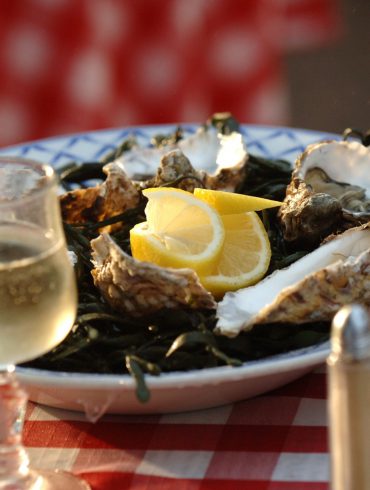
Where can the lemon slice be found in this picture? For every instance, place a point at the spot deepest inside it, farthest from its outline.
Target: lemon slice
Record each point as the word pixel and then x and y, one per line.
pixel 180 231
pixel 233 203
pixel 245 255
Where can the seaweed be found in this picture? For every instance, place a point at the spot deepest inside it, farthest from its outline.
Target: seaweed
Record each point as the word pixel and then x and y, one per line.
pixel 102 341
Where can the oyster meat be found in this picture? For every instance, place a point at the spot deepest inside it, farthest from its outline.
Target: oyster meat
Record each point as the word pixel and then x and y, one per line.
pixel 312 289
pixel 341 169
pixel 139 288
pixel 332 180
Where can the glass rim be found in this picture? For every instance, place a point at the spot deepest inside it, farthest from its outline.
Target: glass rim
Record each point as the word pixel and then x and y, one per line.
pixel 45 170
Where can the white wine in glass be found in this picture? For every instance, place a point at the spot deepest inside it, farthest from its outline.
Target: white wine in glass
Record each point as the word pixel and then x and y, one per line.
pixel 38 302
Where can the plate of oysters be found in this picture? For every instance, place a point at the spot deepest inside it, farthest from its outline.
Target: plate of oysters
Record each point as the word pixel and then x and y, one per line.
pixel 210 260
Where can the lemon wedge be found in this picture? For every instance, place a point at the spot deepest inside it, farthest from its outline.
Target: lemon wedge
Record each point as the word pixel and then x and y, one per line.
pixel 233 203
pixel 245 255
pixel 227 250
pixel 180 231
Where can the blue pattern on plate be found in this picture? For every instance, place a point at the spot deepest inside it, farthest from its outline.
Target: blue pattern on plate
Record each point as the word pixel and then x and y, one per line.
pixel 274 142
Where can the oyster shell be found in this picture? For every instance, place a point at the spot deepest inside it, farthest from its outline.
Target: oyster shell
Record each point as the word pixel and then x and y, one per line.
pixel 312 289
pixel 139 288
pixel 332 180
pixel 114 196
pixel 222 156
pixel 307 215
pixel 209 150
pixel 175 167
pixel 341 169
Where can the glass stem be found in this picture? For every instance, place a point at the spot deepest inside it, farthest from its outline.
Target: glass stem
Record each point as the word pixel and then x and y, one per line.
pixel 14 461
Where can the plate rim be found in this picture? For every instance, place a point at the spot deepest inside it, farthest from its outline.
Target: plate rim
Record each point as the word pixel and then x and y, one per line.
pixel 163 125
pixel 311 356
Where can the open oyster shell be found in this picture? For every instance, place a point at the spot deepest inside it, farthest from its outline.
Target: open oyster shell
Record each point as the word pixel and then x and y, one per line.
pixel 221 156
pixel 312 289
pixel 330 183
pixel 139 288
pixel 341 169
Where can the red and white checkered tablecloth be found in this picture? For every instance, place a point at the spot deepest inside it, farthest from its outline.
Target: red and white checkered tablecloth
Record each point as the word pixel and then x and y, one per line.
pixel 277 441
pixel 69 66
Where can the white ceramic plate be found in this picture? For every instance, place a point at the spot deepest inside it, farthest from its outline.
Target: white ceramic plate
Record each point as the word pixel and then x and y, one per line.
pixel 172 392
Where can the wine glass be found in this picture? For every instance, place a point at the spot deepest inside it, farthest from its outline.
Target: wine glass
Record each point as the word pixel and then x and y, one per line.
pixel 38 302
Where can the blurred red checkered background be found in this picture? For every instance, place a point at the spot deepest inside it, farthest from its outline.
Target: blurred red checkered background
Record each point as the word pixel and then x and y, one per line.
pixel 76 65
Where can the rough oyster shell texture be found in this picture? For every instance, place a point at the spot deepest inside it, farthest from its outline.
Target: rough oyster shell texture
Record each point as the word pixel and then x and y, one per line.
pixel 308 215
pixel 114 196
pixel 330 184
pixel 206 158
pixel 312 289
pixel 220 156
pixel 139 288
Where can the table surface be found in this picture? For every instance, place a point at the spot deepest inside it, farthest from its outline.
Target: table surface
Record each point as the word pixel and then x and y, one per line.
pixel 277 441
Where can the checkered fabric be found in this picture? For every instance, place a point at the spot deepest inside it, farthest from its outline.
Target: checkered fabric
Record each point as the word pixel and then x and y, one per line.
pixel 277 441
pixel 69 66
